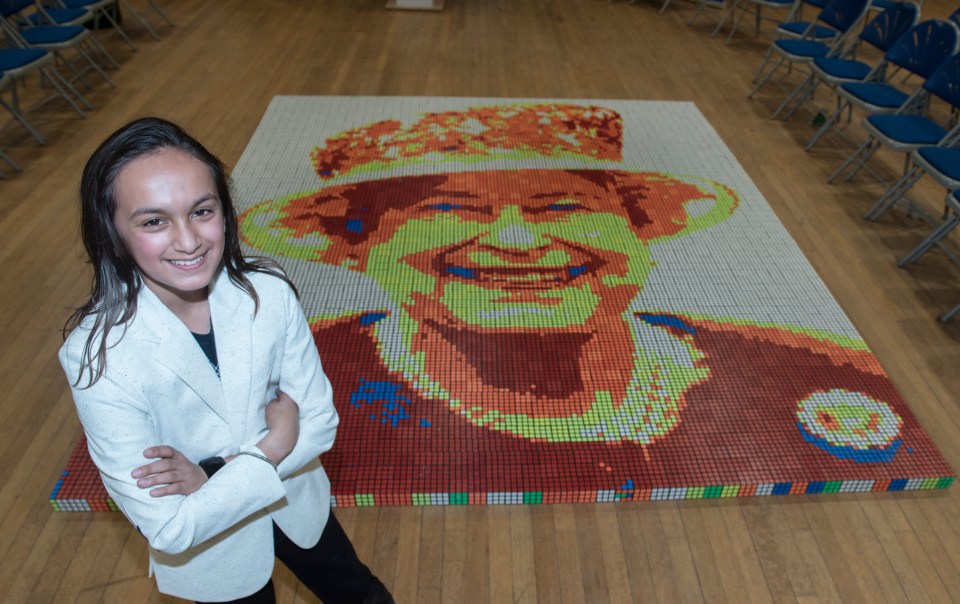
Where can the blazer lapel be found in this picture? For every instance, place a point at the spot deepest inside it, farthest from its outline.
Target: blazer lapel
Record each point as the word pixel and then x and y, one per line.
pixel 231 310
pixel 178 351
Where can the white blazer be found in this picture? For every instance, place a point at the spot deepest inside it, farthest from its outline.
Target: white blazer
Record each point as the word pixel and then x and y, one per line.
pixel 160 389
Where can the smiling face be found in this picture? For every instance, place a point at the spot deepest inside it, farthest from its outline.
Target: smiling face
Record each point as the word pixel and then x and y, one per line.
pixel 169 216
pixel 500 249
pixel 511 250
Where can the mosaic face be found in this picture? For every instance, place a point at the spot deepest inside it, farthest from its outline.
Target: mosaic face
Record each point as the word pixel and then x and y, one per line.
pixel 513 257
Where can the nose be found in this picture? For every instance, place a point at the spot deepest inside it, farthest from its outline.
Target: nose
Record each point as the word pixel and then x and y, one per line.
pixel 185 237
pixel 511 230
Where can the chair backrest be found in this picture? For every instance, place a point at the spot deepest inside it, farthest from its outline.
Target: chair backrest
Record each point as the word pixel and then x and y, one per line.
pixel 842 15
pixel 924 47
pixel 945 81
pixel 886 28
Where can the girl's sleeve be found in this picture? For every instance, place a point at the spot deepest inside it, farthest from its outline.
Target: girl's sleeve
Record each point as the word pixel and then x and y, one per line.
pixel 118 426
pixel 303 379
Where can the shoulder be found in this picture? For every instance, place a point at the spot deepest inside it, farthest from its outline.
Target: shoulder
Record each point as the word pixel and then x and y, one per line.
pixel 271 288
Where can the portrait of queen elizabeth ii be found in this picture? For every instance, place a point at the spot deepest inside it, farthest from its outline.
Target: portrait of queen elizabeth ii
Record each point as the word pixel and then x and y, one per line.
pixel 509 348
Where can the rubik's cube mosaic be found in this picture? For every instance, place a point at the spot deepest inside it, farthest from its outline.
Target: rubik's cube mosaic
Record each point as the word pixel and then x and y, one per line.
pixel 531 301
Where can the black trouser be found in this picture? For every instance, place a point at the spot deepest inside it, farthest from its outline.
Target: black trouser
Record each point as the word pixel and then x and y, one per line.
pixel 330 569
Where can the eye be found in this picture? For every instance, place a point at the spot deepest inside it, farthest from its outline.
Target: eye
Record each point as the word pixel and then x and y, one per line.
pixel 443 207
pixel 152 223
pixel 565 207
pixel 460 208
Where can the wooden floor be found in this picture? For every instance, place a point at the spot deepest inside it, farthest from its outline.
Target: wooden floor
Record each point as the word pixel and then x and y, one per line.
pixel 217 71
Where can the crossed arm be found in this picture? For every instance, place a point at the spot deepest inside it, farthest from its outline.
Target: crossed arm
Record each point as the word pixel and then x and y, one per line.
pixel 175 474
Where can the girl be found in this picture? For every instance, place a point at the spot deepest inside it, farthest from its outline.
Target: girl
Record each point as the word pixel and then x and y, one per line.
pixel 200 360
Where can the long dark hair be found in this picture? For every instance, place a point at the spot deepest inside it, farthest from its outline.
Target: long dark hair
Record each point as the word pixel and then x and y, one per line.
pixel 116 278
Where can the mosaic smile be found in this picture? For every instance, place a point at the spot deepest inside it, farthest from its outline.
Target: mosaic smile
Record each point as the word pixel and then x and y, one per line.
pixel 544 267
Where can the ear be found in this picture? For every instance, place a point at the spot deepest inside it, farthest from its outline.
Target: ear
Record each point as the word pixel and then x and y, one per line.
pixel 665 206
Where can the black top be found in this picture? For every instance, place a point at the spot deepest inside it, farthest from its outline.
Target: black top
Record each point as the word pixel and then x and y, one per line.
pixel 209 347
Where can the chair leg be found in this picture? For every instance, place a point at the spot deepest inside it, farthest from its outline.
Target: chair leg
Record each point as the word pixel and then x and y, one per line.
pixel 894 193
pixel 871 150
pixel 139 18
pixel 830 121
pixel 941 231
pixel 949 314
pixel 736 23
pixel 62 86
pixel 807 96
pixel 116 26
pixel 12 163
pixel 766 78
pixel 99 48
pixel 157 8
pixel 798 92
pixel 96 67
pixel 14 110
pixel 849 161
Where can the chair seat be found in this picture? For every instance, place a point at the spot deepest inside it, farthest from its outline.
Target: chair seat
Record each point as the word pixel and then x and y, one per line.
pixel 876 94
pixel 60 16
pixel 945 160
pixel 907 129
pixel 51 34
pixel 808 49
pixel 15 58
pixel 797 28
pixel 831 68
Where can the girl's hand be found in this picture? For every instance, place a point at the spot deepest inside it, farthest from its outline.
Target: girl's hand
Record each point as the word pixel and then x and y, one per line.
pixel 177 474
pixel 283 423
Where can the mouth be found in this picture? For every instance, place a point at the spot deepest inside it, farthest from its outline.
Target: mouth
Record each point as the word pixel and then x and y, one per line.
pixel 515 269
pixel 190 263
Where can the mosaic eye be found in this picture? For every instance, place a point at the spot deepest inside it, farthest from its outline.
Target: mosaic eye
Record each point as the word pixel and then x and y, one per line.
pixel 443 207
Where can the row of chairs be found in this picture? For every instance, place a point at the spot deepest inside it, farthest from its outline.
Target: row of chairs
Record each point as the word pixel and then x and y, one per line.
pixel 897 118
pixel 56 43
pixel 833 49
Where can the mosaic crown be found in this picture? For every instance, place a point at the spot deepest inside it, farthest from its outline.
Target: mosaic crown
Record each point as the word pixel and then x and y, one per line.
pixel 548 132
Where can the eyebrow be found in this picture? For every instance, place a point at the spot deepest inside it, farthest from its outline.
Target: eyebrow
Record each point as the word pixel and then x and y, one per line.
pixel 143 211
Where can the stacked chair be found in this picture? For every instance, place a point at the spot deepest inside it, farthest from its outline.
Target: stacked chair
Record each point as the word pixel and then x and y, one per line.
pixel 839 15
pixel 881 33
pixel 55 41
pixel 58 39
pixel 19 62
pixel 919 52
pixel 793 26
pixel 911 127
pixel 903 75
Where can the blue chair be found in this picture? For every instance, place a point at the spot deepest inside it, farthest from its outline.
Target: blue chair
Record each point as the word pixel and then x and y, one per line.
pixel 840 15
pixel 797 27
pixel 15 22
pixel 881 33
pixel 918 52
pixel 758 5
pixel 19 62
pixel 102 9
pixel 909 128
pixel 941 163
pixel 52 15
